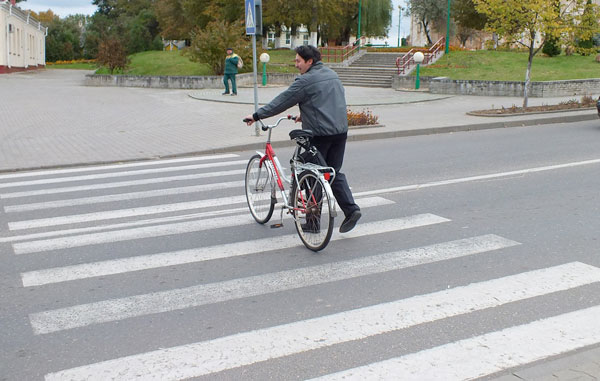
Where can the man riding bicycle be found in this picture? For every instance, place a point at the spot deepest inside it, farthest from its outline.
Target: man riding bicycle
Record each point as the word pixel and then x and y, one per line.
pixel 319 94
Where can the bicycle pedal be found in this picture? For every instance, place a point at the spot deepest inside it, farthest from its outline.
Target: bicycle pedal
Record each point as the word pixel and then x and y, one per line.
pixel 275 226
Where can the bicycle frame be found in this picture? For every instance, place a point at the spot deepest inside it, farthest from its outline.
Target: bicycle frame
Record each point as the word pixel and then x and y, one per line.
pixel 271 162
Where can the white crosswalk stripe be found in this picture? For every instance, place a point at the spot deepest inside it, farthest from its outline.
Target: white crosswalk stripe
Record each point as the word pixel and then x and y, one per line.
pixel 77 240
pixel 193 360
pixel 487 354
pixel 145 262
pixel 121 184
pixel 51 321
pixel 116 166
pixel 155 231
pixel 122 196
pixel 57 180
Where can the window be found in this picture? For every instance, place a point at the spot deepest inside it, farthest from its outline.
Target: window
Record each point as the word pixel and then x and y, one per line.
pixel 271 38
pixel 288 38
pixel 305 39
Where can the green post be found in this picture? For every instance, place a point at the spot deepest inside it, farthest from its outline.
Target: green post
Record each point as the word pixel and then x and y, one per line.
pixel 359 12
pixel 418 81
pixel 447 29
pixel 264 82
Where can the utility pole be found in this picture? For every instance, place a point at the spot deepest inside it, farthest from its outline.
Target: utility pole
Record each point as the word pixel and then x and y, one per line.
pixel 359 12
pixel 399 19
pixel 448 29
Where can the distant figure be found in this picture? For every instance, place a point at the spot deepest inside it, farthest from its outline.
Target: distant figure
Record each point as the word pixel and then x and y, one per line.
pixel 231 69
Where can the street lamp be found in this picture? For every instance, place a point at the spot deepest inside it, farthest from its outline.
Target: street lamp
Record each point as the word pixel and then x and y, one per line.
pixel 399 19
pixel 359 12
pixel 418 57
pixel 448 29
pixel 264 58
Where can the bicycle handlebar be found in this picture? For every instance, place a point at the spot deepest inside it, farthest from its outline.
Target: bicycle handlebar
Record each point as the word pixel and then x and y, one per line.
pixel 265 127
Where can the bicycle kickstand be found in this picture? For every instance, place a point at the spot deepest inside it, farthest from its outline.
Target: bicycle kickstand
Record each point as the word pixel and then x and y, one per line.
pixel 280 224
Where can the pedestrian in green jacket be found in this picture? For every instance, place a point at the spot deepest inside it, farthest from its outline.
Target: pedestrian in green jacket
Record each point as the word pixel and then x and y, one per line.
pixel 231 69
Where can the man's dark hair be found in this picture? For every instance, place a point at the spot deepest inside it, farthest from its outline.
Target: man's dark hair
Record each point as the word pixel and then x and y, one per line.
pixel 307 52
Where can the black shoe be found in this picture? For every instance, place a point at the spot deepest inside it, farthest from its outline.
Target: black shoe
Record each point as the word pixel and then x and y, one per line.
pixel 225 93
pixel 350 221
pixel 233 94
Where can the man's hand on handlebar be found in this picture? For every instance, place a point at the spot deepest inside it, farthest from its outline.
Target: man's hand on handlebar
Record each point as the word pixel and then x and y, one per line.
pixel 249 120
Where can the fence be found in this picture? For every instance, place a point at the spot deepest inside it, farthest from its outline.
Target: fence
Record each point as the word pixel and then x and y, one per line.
pixel 334 54
pixel 405 62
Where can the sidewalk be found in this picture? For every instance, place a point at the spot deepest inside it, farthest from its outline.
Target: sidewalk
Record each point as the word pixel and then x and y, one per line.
pixel 49 119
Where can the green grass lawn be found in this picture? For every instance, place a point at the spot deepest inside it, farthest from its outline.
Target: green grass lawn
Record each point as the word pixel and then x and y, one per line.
pixel 76 66
pixel 490 65
pixel 482 65
pixel 176 63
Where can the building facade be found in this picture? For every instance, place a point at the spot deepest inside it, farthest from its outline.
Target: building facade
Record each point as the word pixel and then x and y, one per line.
pixel 22 39
pixel 287 40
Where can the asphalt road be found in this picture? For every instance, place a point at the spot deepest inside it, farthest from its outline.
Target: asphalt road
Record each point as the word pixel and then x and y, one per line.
pixel 477 252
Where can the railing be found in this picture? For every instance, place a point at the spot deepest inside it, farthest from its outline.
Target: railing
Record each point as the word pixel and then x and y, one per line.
pixel 339 53
pixel 405 62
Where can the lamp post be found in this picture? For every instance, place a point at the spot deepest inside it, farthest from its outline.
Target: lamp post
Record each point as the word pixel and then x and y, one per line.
pixel 418 57
pixel 359 12
pixel 448 29
pixel 399 19
pixel 264 58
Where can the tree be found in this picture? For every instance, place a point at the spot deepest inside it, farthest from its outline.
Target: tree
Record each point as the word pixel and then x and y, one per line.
pixel 465 15
pixel 112 54
pixel 525 23
pixel 64 39
pixel 468 20
pixel 209 44
pixel 587 27
pixel 429 13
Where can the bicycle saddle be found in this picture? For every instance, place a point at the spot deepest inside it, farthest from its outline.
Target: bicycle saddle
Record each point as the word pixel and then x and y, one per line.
pixel 295 134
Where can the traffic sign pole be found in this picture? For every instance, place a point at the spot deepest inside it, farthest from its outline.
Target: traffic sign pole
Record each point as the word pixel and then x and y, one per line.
pixel 251 29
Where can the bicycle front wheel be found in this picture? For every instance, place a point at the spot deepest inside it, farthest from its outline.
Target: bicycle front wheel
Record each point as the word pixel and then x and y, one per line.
pixel 260 190
pixel 311 205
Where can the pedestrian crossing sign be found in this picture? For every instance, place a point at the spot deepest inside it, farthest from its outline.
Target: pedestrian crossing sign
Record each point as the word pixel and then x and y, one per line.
pixel 250 17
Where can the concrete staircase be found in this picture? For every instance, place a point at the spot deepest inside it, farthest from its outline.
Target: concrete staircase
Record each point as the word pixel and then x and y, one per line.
pixel 370 70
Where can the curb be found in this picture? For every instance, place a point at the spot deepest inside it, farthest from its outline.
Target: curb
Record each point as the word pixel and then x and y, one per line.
pixel 351 138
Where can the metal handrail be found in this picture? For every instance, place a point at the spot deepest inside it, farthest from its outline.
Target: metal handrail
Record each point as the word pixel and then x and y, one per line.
pixel 339 52
pixel 404 63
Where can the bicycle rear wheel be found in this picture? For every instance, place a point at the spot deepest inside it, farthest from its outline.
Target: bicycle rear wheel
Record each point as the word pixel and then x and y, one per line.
pixel 311 205
pixel 260 190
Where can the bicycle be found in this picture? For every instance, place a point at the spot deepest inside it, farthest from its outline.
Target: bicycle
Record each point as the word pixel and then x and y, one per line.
pixel 310 200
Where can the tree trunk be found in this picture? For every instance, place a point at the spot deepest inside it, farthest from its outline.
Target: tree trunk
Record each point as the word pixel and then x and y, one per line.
pixel 528 72
pixel 426 29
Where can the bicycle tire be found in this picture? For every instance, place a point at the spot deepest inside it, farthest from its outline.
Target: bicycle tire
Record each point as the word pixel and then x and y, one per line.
pixel 260 190
pixel 311 203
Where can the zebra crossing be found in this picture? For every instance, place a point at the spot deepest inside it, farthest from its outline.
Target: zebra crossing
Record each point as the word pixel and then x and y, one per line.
pixel 68 229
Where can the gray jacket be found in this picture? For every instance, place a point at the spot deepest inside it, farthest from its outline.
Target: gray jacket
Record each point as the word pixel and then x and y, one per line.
pixel 320 95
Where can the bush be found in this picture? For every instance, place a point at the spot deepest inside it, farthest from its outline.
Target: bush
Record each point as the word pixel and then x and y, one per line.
pixel 551 47
pixel 363 118
pixel 112 54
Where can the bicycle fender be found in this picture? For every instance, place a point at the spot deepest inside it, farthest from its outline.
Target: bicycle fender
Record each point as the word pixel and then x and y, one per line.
pixel 332 208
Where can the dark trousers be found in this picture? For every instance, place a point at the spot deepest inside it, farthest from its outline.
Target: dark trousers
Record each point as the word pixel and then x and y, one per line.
pixel 332 148
pixel 226 79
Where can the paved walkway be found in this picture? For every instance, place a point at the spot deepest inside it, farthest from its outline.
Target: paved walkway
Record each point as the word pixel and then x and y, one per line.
pixel 48 118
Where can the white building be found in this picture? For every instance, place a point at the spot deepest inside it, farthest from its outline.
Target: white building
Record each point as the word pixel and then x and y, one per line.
pixel 286 40
pixel 22 39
